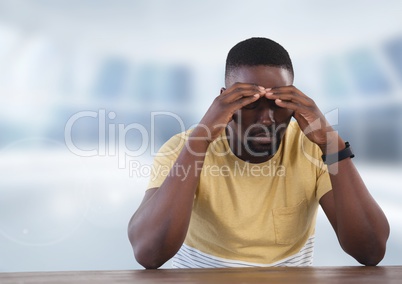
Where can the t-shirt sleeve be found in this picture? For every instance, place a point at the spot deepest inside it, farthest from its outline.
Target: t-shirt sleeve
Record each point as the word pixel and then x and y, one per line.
pixel 165 159
pixel 323 184
pixel 323 180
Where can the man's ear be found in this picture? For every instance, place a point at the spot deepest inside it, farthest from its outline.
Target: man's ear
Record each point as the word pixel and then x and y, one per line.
pixel 222 90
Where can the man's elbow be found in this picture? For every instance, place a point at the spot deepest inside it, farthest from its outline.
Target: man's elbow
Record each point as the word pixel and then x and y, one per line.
pixel 146 254
pixel 373 257
pixel 148 263
pixel 371 261
pixel 147 258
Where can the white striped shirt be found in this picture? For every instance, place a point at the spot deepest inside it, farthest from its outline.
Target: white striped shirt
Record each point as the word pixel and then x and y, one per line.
pixel 188 257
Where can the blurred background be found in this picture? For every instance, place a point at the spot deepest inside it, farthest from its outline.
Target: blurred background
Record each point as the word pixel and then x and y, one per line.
pixel 89 90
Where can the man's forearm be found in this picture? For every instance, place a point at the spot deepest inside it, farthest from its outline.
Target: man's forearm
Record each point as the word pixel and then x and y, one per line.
pixel 361 225
pixel 158 228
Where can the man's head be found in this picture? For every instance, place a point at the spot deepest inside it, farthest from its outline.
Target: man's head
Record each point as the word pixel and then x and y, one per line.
pixel 257 129
pixel 254 52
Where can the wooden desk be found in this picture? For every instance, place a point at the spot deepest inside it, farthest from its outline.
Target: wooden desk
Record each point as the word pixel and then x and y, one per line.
pixel 310 275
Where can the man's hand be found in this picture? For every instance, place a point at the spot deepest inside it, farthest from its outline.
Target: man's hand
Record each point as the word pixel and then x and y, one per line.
pixel 310 119
pixel 221 111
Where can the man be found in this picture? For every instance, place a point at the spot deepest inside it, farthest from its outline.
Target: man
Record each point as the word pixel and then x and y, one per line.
pixel 244 185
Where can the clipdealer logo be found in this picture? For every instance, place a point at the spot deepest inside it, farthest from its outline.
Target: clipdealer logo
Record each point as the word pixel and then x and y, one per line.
pixel 140 170
pixel 114 144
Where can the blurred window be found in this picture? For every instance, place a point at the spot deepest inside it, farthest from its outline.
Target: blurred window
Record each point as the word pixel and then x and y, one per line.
pixel 112 78
pixel 369 78
pixel 393 50
pixel 335 84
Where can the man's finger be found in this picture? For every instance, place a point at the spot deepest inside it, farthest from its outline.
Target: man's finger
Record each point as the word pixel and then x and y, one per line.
pixel 292 97
pixel 237 89
pixel 245 101
pixel 240 93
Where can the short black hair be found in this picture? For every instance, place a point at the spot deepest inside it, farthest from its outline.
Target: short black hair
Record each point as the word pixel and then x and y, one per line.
pixel 258 51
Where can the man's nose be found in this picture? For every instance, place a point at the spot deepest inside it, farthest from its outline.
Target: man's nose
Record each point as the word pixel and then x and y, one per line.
pixel 266 116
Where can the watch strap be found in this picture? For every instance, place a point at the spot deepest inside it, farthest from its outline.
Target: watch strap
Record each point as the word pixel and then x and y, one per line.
pixel 341 155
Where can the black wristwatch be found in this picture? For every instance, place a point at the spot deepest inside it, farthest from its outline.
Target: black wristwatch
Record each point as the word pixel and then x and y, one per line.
pixel 341 155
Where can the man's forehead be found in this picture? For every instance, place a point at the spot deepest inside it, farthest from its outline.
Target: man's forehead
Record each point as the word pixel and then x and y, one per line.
pixel 266 76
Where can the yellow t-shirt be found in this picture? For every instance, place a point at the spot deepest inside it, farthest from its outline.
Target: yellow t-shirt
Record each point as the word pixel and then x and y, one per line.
pixel 248 214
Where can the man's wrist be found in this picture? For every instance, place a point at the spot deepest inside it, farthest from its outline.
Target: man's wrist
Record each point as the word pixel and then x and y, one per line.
pixel 198 141
pixel 334 145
